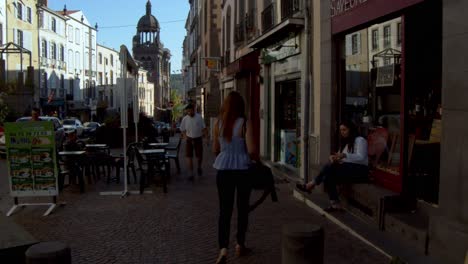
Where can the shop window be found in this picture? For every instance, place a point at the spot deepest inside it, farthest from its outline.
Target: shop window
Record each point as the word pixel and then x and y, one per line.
pixel 402 155
pixel 287 131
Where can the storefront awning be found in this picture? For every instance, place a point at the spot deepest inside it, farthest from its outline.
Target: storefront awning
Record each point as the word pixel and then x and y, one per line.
pixel 280 31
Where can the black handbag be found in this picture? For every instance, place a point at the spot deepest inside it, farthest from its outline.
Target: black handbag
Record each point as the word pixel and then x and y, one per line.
pixel 262 178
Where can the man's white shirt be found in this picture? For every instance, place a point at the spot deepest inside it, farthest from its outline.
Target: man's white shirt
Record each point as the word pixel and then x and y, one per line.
pixel 192 126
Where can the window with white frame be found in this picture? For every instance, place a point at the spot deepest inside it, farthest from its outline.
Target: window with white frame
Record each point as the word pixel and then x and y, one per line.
pixel 44 48
pixel 112 60
pixel 70 33
pixel 41 19
pixel 77 35
pixel 86 39
pixel 19 38
pixel 19 11
pixel 354 41
pixel 70 61
pixel 77 60
pixel 62 53
pixel 86 62
pixel 29 14
pixel 53 25
pixel 375 39
pixel 387 36
pixel 100 58
pixel 53 51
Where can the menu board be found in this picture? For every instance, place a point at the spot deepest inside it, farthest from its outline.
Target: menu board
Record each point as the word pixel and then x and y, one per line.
pixel 31 158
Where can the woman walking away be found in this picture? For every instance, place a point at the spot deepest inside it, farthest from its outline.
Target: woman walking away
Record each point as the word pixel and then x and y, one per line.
pixel 233 147
pixel 348 165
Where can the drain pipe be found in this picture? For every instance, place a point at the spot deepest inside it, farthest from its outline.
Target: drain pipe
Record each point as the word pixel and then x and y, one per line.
pixel 305 134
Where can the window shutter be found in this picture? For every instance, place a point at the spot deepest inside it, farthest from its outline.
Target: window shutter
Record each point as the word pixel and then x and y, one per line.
pixel 359 43
pixel 349 45
pixel 32 15
pixel 15 36
pixel 27 40
pixel 25 13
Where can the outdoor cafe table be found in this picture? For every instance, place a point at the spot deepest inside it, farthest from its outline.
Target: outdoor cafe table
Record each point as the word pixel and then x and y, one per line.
pixel 153 157
pixel 96 145
pixel 158 145
pixel 75 157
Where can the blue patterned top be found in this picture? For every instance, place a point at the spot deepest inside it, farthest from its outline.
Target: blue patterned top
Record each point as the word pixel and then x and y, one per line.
pixel 233 155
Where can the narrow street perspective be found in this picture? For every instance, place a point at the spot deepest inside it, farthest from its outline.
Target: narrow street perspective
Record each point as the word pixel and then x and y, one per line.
pixel 233 131
pixel 177 227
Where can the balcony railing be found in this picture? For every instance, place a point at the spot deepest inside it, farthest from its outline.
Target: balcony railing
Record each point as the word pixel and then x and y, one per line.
pixel 268 17
pixel 226 59
pixel 289 8
pixel 250 24
pixel 239 35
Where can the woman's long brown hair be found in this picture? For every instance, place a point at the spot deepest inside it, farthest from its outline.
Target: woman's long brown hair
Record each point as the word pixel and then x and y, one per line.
pixel 233 107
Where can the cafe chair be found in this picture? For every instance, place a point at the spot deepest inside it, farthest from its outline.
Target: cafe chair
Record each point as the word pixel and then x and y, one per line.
pixel 173 153
pixel 150 165
pixel 119 164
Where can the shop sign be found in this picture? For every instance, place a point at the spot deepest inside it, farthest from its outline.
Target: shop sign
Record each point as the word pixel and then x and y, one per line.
pixel 31 159
pixel 385 75
pixel 284 50
pixel 338 7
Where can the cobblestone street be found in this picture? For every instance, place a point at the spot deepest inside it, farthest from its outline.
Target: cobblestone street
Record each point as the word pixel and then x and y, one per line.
pixel 177 227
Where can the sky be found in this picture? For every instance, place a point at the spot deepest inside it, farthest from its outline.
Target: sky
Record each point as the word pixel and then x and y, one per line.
pixel 117 20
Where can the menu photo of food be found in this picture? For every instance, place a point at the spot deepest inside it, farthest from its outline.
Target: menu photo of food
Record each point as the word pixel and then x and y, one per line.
pixel 21 185
pixel 40 141
pixel 42 155
pixel 44 172
pixel 19 156
pixel 45 184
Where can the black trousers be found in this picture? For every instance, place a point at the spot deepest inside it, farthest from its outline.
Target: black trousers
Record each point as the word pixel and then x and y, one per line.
pixel 339 173
pixel 228 182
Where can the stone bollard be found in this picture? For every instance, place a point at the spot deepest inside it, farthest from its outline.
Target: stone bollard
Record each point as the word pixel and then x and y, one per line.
pixel 53 252
pixel 302 243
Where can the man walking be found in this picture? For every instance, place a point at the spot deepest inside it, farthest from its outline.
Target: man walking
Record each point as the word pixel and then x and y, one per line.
pixel 193 129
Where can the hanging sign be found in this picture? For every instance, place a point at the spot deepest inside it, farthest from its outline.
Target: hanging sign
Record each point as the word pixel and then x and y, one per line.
pixel 31 158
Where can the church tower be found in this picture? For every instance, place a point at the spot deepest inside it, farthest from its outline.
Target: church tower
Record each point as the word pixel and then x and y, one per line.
pixel 147 45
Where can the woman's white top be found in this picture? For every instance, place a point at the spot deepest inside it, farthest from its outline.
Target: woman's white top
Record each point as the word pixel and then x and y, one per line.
pixel 360 152
pixel 233 155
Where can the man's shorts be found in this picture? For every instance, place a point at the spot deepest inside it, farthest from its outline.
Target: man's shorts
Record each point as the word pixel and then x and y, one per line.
pixel 194 144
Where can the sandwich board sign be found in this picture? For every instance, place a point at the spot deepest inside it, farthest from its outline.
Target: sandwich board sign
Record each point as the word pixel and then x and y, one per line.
pixel 31 161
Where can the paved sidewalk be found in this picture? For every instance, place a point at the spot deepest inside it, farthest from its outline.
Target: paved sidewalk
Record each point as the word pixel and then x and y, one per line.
pixel 177 227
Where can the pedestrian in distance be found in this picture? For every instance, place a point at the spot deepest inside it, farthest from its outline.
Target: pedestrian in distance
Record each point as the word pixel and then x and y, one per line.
pixel 348 165
pixel 193 130
pixel 35 114
pixel 234 150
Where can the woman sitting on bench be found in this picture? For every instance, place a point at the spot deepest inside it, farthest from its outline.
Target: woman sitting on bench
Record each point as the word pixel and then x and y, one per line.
pixel 348 165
